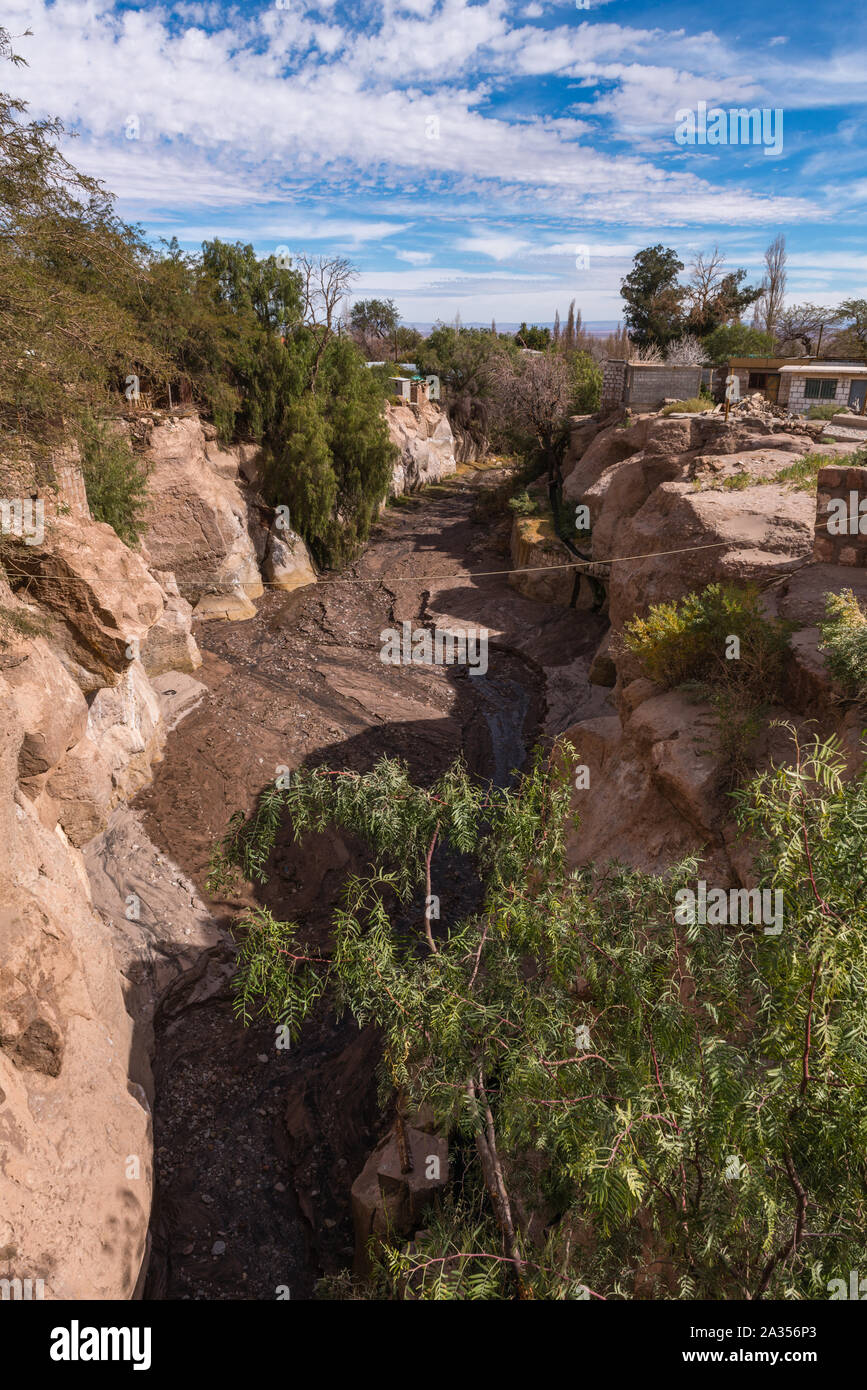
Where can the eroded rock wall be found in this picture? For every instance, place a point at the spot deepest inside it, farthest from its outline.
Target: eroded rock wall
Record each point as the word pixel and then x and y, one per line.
pixel 97 648
pixel 677 503
pixel 423 435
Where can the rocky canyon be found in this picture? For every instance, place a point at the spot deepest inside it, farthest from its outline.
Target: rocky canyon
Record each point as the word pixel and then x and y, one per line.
pixel 151 1147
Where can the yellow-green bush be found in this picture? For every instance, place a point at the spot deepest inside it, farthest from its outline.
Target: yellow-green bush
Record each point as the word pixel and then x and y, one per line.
pixel 844 642
pixel 688 640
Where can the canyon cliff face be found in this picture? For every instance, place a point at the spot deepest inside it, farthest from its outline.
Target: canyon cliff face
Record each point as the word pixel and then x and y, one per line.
pixel 97 660
pixel 665 520
pixel 96 663
pixel 98 655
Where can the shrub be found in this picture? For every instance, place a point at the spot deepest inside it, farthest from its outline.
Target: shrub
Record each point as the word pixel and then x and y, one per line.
pixel 695 403
pixel 586 384
pixel 22 623
pixel 844 642
pixel 691 641
pixel 114 480
pixel 522 504
pixel 825 412
pixel 687 640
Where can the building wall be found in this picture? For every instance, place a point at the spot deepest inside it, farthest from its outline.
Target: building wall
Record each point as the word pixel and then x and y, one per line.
pixel 613 377
pixel 797 401
pixel 831 548
pixel 649 386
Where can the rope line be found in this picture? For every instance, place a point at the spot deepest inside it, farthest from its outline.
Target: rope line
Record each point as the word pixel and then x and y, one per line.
pixel 433 578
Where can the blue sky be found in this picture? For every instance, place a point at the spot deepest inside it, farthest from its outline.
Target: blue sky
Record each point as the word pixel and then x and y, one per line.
pixel 461 153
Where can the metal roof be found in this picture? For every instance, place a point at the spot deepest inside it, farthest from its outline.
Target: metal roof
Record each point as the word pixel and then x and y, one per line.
pixel 829 369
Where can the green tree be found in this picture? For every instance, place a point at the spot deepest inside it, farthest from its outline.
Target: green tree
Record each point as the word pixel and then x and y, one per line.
pixel 71 276
pixel 329 457
pixel 466 361
pixel 586 381
pixel 535 338
pixel 853 313
pixel 641 1102
pixel 736 340
pixel 375 318
pixel 115 480
pixel 653 296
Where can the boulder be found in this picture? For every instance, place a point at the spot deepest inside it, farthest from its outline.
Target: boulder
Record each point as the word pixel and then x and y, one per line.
pixel 52 709
pixel 749 536
pixel 97 591
pixel 287 562
pixel 387 1202
pixel 234 607
pixel 124 737
pixel 170 645
pixel 538 551
pixel 651 794
pixel 126 726
pixel 422 434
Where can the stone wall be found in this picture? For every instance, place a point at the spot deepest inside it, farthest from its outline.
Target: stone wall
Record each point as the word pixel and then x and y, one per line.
pixel 841 530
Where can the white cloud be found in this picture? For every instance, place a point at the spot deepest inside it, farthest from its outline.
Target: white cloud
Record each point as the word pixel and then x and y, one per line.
pixel 500 247
pixel 276 102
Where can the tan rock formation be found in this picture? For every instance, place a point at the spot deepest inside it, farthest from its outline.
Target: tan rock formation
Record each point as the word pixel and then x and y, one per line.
pixel 75 1169
pixel 97 591
pixel 198 524
pixel 287 562
pixel 424 437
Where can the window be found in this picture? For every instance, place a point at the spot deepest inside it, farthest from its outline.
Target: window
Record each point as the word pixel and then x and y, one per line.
pixel 758 381
pixel 819 389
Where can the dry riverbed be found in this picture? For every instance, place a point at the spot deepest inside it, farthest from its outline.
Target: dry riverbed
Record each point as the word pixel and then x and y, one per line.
pixel 256 1148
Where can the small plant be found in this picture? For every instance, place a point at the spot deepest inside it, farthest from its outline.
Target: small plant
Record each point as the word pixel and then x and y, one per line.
pixel 692 641
pixel 844 642
pixel 736 482
pixel 522 504
pixel 825 412
pixel 23 624
pixel 804 473
pixel 687 640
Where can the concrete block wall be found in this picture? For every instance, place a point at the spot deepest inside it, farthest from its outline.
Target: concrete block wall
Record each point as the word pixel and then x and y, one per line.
pixel 613 378
pixel 846 545
pixel 799 403
pixel 649 385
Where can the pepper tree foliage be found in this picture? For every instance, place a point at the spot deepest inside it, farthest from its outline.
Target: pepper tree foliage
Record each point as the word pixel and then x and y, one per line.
pixel 87 303
pixel 703 1138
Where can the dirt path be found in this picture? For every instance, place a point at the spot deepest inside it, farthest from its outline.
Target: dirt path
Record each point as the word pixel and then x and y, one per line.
pixel 256 1148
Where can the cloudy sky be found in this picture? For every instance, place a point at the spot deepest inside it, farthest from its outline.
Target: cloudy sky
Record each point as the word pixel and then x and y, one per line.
pixel 490 157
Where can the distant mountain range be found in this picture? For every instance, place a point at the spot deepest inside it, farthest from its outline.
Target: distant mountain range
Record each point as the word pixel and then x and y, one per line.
pixel 598 328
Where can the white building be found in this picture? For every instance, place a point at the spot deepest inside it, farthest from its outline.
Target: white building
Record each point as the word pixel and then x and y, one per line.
pixel 822 383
